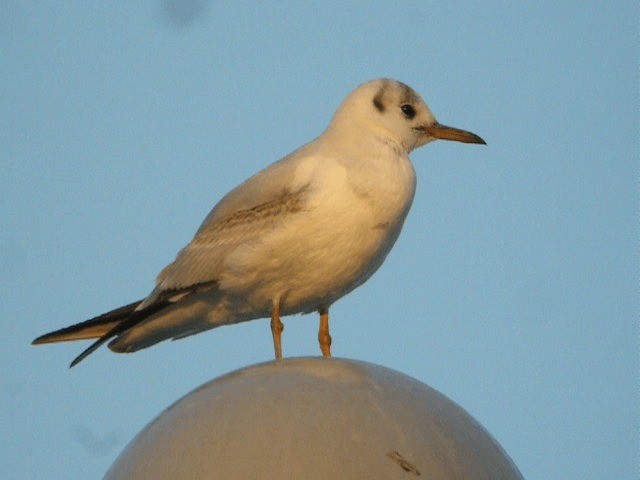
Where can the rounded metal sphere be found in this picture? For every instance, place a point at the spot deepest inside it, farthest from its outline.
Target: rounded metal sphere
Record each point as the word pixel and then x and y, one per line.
pixel 314 418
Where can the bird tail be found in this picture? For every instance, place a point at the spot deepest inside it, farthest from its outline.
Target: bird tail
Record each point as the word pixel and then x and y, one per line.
pixel 93 328
pixel 103 327
pixel 123 323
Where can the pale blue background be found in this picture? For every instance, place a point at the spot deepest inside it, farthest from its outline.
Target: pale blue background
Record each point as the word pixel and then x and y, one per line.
pixel 513 288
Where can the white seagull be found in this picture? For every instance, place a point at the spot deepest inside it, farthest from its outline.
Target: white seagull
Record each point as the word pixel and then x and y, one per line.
pixel 294 238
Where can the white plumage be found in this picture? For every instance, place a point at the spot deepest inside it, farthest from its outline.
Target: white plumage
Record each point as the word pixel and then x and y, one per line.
pixel 293 238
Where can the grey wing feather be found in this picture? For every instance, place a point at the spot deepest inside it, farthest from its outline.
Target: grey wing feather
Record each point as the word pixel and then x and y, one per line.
pixel 243 216
pixel 261 188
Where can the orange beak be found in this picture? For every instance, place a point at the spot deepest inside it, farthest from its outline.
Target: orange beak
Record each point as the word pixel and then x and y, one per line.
pixel 442 132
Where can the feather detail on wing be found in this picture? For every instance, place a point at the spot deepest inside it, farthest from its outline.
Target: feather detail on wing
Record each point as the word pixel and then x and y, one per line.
pixel 204 258
pixel 113 323
pixel 168 297
pixel 93 328
pixel 243 218
pixel 264 187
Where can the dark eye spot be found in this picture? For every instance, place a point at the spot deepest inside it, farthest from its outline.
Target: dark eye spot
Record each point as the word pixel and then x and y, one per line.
pixel 377 102
pixel 408 111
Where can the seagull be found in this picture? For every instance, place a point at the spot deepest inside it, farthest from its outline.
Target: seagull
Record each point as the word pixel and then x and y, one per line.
pixel 293 238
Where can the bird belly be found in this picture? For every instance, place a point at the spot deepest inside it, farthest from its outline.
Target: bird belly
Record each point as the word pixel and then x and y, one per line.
pixel 322 252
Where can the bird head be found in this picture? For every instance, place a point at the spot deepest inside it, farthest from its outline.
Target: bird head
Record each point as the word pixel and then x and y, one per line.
pixel 395 112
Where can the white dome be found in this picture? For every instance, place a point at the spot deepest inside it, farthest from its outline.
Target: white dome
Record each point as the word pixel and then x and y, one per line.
pixel 314 418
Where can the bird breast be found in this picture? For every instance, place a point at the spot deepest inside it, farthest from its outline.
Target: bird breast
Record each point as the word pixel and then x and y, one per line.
pixel 344 229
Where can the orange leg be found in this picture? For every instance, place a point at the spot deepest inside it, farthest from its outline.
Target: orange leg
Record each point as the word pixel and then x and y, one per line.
pixel 323 334
pixel 276 330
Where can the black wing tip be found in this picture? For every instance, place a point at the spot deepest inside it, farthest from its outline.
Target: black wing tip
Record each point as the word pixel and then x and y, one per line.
pixel 128 316
pixel 77 360
pixel 49 338
pixel 46 338
pixel 88 351
pixel 133 319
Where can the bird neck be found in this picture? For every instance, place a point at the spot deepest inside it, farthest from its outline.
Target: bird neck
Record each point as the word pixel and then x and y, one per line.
pixel 367 141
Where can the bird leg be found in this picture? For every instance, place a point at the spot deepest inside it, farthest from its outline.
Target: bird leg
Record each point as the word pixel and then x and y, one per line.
pixel 323 334
pixel 276 330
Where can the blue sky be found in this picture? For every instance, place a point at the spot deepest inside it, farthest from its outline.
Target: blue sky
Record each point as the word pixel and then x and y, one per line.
pixel 513 286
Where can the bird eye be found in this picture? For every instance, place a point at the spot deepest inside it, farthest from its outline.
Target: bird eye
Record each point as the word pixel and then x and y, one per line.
pixel 408 111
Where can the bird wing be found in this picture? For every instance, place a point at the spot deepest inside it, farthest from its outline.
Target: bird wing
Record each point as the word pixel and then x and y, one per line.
pixel 115 322
pixel 93 328
pixel 242 218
